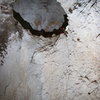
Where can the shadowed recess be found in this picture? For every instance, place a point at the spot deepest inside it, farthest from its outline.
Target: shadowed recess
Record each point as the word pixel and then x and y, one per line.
pixel 26 25
pixel 41 17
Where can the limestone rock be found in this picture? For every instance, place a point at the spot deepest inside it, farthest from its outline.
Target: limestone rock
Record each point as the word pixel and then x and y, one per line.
pixel 55 68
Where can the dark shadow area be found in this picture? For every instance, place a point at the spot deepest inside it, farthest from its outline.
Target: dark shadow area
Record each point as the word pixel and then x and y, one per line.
pixel 27 26
pixel 3 46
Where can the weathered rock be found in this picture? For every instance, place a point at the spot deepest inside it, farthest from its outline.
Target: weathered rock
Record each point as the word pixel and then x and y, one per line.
pixel 41 14
pixel 56 68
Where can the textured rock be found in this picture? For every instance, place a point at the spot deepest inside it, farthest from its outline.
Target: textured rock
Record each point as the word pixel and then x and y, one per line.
pixel 41 14
pixel 57 68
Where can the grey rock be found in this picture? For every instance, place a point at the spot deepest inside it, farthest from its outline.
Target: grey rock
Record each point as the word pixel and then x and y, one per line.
pixel 41 14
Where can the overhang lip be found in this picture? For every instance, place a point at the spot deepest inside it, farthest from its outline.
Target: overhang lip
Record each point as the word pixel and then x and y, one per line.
pixel 49 19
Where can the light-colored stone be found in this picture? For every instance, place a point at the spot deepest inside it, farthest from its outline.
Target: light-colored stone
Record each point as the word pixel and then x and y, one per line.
pixel 58 68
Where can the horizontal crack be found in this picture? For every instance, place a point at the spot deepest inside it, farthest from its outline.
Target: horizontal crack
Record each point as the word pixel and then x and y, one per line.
pixel 26 25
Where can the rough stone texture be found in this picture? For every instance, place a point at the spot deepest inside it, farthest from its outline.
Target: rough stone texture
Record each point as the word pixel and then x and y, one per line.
pixel 58 68
pixel 41 14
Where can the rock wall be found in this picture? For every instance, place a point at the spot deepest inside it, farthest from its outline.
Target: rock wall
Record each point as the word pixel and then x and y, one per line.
pixel 58 68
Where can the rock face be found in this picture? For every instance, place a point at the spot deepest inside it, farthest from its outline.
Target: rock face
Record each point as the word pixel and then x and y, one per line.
pixel 55 68
pixel 41 14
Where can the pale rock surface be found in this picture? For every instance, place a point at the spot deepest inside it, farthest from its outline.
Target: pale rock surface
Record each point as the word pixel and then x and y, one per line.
pixel 58 68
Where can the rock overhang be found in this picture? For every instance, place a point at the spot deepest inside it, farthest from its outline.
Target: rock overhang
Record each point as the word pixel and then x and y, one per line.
pixel 43 17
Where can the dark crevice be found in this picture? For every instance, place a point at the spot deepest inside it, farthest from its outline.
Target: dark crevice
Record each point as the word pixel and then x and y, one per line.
pixel 27 26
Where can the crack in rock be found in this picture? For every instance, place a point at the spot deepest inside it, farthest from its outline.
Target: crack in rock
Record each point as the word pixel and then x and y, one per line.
pixel 50 22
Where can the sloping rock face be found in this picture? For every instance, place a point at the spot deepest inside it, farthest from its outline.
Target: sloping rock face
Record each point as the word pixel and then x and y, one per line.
pixel 55 68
